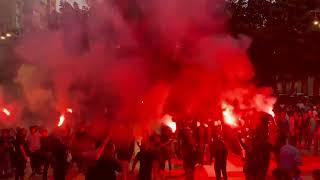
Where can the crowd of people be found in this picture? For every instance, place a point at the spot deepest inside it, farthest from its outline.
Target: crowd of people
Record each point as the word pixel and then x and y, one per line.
pixel 18 147
pixel 194 143
pixel 300 122
pixel 100 159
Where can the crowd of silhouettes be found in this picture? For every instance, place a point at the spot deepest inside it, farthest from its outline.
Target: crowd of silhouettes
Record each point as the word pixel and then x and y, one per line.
pixel 194 144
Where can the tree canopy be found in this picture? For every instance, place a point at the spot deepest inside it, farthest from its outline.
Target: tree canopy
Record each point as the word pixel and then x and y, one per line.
pixel 285 34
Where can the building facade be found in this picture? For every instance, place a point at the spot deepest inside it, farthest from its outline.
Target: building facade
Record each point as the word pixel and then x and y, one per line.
pixel 10 15
pixel 308 85
pixel 36 14
pixel 24 15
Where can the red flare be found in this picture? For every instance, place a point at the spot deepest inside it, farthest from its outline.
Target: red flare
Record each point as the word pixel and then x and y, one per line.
pixel 228 114
pixel 6 111
pixel 61 120
pixel 271 112
pixel 69 110
pixel 167 120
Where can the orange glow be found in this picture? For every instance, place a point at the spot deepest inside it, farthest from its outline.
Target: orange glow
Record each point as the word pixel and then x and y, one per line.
pixel 228 115
pixel 6 111
pixel 61 120
pixel 167 120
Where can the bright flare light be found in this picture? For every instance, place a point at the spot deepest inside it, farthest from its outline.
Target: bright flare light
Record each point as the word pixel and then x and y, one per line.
pixel 271 112
pixel 265 104
pixel 198 124
pixel 6 111
pixel 167 120
pixel 2 37
pixel 61 120
pixel 8 35
pixel 228 115
pixel 315 22
pixel 69 110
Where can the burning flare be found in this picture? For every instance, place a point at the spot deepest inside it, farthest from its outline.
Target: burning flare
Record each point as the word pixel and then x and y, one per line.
pixel 167 120
pixel 270 111
pixel 265 104
pixel 69 110
pixel 228 115
pixel 198 124
pixel 61 120
pixel 6 111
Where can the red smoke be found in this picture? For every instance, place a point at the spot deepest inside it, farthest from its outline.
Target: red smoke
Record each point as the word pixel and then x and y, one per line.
pixel 175 56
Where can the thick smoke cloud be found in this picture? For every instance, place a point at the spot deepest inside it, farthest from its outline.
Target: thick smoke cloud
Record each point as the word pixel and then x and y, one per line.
pixel 130 62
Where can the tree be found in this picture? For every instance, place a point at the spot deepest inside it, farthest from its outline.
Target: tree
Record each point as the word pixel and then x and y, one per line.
pixel 285 34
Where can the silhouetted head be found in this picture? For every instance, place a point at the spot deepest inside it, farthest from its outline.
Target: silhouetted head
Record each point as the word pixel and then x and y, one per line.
pixel 109 150
pixel 33 129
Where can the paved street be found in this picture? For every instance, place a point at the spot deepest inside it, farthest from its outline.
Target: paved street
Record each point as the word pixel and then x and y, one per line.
pixel 234 168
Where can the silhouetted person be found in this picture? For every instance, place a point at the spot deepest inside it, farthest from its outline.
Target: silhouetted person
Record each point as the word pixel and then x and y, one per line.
pixel 21 157
pixel 45 151
pixel 290 159
pixel 317 137
pixel 220 154
pixel 106 166
pixel 125 152
pixel 59 158
pixel 258 152
pixel 33 141
pixel 201 136
pixel 188 154
pixel 147 157
pixel 6 152
pixel 165 147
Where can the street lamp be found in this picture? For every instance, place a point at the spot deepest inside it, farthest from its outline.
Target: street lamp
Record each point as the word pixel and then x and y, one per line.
pixel 8 34
pixel 2 37
pixel 315 22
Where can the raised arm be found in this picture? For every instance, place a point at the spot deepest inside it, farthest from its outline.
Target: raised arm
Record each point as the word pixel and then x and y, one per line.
pixel 135 161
